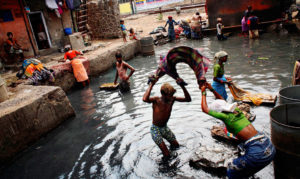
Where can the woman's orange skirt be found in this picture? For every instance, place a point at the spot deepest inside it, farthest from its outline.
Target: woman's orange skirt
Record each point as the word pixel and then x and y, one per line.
pixel 79 70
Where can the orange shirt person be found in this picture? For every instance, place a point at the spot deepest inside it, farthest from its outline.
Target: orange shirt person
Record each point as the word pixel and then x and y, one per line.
pixel 78 68
pixel 13 46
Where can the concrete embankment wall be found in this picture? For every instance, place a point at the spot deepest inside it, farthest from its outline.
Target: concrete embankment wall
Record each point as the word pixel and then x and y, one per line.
pixel 35 110
pixel 100 61
pixel 32 112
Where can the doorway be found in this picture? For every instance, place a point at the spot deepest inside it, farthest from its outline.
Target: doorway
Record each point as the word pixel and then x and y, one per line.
pixel 39 29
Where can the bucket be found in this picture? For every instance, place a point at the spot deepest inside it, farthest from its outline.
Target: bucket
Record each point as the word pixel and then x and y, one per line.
pixel 147 46
pixel 3 91
pixel 289 95
pixel 285 135
pixel 68 31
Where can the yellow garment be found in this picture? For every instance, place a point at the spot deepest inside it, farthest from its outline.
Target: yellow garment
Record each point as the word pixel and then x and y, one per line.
pixel 242 95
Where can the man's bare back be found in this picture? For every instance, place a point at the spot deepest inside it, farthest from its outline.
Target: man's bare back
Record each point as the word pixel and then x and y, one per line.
pixel 162 106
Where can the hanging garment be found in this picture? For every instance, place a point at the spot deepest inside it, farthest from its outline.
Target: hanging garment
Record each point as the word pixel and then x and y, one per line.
pixel 70 4
pixel 51 4
pixel 76 3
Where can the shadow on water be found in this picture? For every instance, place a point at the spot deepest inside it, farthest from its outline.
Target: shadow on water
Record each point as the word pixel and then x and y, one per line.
pixel 110 135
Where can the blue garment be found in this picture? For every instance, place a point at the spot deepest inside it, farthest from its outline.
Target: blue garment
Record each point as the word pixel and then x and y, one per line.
pixel 70 4
pixel 259 152
pixel 171 34
pixel 123 27
pixel 253 23
pixel 221 37
pixel 220 88
pixel 171 31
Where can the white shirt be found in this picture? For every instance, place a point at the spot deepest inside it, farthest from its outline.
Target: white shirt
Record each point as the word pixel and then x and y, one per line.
pixel 219 28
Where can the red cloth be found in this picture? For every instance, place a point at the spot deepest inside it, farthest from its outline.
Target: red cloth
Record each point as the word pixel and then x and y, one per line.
pixel 71 54
pixel 11 43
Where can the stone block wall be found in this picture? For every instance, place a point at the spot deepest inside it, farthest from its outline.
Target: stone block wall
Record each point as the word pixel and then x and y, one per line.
pixel 31 113
pixel 104 18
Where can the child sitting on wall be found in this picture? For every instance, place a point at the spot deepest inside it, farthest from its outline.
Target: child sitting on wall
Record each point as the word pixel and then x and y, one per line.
pixel 132 35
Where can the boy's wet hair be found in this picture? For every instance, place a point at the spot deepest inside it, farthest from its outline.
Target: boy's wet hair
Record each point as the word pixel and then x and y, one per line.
pixel 167 89
pixel 197 13
pixel 9 33
pixel 118 55
pixel 121 21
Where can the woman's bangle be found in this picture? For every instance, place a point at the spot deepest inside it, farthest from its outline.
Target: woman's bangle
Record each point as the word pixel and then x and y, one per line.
pixel 212 90
pixel 204 93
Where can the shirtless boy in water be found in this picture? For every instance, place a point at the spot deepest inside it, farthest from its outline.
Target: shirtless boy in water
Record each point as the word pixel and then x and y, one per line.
pixel 162 107
pixel 122 73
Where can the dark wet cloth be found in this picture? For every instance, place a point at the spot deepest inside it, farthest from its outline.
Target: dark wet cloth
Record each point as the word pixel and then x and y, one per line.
pixel 253 22
pixel 158 133
pixel 124 86
pixel 259 152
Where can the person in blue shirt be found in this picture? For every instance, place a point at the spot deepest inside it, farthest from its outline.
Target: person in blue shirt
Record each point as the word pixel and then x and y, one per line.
pixel 124 30
pixel 171 31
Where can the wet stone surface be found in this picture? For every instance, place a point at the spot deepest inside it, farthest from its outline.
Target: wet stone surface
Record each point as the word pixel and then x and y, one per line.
pixel 110 136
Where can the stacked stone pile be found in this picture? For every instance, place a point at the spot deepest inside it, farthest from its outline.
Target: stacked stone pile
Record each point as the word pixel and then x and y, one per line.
pixel 104 18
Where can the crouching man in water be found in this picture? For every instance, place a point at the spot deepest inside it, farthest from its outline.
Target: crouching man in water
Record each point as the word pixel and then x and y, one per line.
pixel 77 66
pixel 258 149
pixel 162 107
pixel 121 72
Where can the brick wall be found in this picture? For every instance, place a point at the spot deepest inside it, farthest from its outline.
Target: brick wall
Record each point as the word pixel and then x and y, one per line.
pixel 104 18
pixel 17 27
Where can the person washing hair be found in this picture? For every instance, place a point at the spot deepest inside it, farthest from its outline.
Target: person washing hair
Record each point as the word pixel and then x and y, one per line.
pixel 258 149
pixel 162 108
pixel 219 79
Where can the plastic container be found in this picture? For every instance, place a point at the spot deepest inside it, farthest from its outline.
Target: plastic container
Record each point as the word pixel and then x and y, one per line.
pixel 68 31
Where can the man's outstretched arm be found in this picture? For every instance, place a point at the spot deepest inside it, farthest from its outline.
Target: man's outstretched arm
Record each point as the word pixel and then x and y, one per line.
pixel 146 97
pixel 187 97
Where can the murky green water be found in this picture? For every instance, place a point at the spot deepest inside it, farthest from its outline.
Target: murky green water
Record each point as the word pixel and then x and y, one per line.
pixel 110 136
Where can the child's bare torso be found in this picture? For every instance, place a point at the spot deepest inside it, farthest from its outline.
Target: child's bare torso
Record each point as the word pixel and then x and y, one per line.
pixel 162 111
pixel 122 70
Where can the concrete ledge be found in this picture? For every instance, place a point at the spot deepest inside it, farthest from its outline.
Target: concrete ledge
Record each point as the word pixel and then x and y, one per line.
pixel 32 112
pixel 100 61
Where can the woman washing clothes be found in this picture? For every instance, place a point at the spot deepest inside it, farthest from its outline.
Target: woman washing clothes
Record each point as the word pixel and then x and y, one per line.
pixel 219 79
pixel 257 148
pixel 196 26
pixel 77 66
